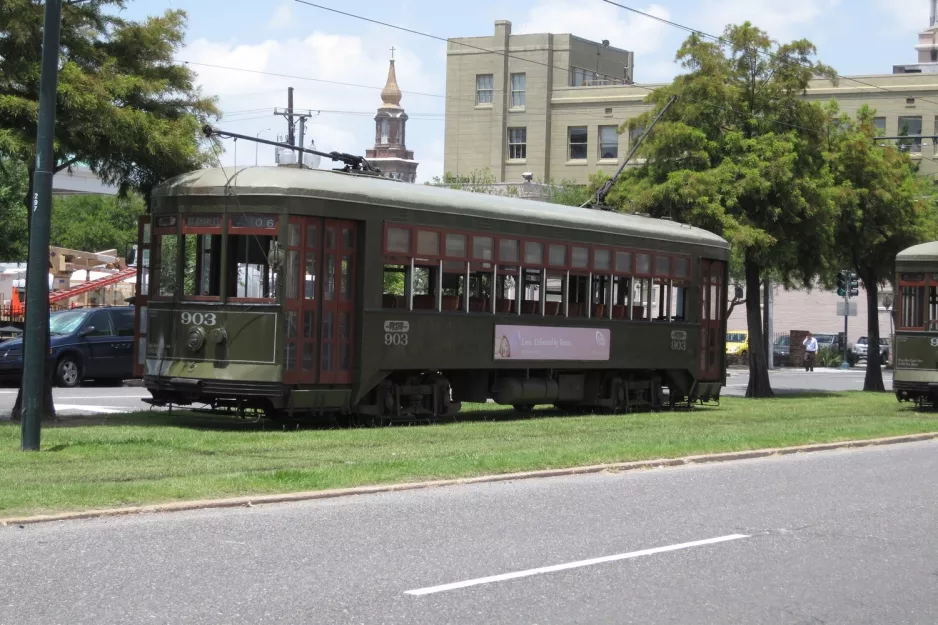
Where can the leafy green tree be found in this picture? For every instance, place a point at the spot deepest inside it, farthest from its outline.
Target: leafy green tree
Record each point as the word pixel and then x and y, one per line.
pixel 740 153
pixel 883 208
pixel 13 213
pixel 95 223
pixel 125 107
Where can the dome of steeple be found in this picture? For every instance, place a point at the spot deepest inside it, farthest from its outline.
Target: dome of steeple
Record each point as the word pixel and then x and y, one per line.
pixel 391 94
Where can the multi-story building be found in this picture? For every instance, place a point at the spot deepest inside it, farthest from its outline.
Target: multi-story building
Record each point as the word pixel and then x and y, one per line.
pixel 551 105
pixel 927 48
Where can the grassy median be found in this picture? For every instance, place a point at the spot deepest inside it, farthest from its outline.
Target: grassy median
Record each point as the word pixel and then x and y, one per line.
pixel 149 458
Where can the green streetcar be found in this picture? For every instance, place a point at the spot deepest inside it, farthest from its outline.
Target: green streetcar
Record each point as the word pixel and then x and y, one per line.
pixel 307 292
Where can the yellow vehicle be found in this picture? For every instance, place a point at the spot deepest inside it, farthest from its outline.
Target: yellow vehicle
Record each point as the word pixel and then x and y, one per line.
pixel 737 342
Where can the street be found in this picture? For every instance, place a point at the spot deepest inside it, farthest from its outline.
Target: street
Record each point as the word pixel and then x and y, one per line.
pixel 85 400
pixel 832 537
pixel 793 380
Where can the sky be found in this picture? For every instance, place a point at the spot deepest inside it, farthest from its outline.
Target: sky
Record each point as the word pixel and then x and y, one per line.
pixel 316 48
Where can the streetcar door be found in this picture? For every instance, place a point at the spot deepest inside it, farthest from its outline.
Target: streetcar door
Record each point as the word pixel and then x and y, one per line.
pixel 301 301
pixel 319 301
pixel 712 307
pixel 142 260
pixel 339 244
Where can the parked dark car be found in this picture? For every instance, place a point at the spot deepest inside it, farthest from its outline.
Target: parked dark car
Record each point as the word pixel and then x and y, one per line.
pixel 861 349
pixel 86 343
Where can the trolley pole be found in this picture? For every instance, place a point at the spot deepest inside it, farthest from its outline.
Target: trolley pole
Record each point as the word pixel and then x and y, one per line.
pixel 36 337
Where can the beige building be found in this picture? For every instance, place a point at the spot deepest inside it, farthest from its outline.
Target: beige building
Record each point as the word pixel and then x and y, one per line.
pixel 551 105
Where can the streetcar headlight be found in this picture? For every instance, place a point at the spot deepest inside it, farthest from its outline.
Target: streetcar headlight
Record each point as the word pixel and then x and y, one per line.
pixel 195 338
pixel 218 336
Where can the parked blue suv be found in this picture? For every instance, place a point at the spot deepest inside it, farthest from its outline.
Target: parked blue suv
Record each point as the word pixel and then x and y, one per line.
pixel 95 343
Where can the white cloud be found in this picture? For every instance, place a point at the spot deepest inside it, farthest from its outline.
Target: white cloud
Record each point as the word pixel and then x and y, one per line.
pixel 911 19
pixel 598 21
pixel 282 18
pixel 346 122
pixel 783 21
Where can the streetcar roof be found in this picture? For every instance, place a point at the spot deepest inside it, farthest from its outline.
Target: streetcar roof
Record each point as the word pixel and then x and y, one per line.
pixel 923 252
pixel 289 181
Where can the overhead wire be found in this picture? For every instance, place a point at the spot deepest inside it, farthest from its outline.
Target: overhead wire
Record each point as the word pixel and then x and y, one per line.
pixel 724 41
pixel 567 70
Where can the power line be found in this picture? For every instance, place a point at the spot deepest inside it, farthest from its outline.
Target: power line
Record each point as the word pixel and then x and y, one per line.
pixel 522 59
pixel 760 52
pixel 308 78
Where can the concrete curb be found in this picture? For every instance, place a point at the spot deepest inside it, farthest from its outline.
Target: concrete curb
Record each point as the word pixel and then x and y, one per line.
pixel 617 467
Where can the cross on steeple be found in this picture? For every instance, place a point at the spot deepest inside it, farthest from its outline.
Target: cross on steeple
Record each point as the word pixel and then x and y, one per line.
pixel 392 51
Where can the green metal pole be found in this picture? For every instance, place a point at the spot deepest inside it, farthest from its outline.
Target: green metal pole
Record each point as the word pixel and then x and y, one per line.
pixel 36 336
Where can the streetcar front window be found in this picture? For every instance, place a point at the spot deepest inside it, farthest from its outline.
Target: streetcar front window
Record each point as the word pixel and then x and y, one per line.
pixel 249 275
pixel 202 276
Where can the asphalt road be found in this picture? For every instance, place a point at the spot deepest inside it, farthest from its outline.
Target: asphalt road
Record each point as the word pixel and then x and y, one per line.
pixel 85 400
pixel 794 380
pixel 836 537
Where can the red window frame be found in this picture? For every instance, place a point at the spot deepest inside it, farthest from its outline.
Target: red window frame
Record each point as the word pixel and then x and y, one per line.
pixel 201 230
pixel 900 303
pixel 651 264
pixel 267 231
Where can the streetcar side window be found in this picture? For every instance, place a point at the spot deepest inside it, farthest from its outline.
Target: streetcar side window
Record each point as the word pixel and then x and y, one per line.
pixel 912 304
pixel 433 269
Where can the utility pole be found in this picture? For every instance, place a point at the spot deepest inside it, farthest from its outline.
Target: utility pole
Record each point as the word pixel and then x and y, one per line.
pixel 299 155
pixel 36 337
pixel 769 325
pixel 288 114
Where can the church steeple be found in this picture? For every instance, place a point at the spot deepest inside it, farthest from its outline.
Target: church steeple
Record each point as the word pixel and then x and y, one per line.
pixel 390 153
pixel 391 94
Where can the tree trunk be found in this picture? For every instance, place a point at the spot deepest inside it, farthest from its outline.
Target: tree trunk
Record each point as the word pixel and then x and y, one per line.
pixel 759 385
pixel 48 407
pixel 874 372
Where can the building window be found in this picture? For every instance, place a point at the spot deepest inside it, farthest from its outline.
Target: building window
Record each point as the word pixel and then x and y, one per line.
pixel 383 126
pixel 577 139
pixel 635 134
pixel 609 142
pixel 484 89
pixel 517 143
pixel 879 123
pixel 517 91
pixel 910 127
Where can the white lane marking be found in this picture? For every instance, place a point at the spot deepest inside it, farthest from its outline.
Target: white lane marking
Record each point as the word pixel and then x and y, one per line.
pixel 572 565
pixel 94 409
pixel 104 396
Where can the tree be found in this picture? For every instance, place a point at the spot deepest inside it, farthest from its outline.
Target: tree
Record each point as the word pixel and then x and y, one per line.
pixel 883 208
pixel 13 213
pixel 740 154
pixel 125 108
pixel 95 222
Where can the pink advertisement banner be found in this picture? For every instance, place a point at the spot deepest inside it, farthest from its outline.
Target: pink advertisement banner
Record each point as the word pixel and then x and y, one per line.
pixel 551 343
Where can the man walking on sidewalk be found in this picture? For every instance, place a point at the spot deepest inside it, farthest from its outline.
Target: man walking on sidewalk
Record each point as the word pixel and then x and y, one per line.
pixel 810 352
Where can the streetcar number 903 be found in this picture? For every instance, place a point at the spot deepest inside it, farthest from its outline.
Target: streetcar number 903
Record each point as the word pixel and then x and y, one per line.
pixel 198 319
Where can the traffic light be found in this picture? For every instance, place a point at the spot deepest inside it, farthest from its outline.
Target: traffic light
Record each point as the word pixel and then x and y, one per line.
pixel 854 286
pixel 842 283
